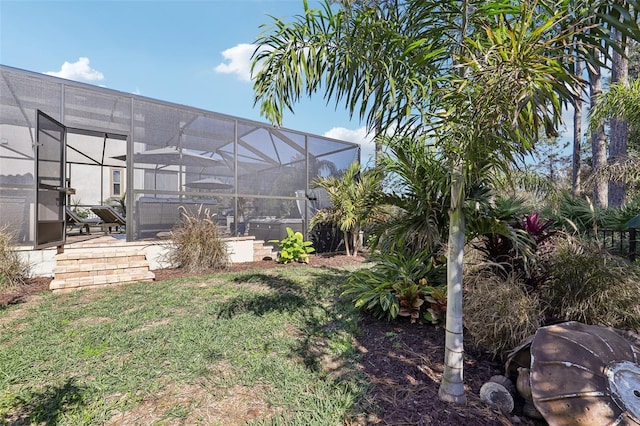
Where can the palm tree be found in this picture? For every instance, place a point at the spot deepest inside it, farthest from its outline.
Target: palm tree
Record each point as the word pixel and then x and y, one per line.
pixel 576 161
pixel 618 127
pixel 354 202
pixel 619 22
pixel 623 102
pixel 417 193
pixel 620 101
pixel 597 139
pixel 477 78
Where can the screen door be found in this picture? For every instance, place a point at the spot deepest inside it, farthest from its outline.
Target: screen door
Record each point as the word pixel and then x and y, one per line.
pixel 50 179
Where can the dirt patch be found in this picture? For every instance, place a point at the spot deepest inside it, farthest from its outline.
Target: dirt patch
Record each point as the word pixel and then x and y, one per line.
pixel 90 321
pixel 150 326
pixel 20 294
pixel 402 361
pixel 195 404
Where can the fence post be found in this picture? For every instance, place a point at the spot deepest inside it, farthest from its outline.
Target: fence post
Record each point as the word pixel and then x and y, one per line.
pixel 632 244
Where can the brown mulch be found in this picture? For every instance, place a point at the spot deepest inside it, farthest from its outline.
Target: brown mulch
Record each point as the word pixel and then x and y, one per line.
pixel 403 362
pixel 22 293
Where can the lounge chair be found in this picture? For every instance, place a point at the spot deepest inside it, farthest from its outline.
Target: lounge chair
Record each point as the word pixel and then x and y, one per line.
pixel 110 217
pixel 81 222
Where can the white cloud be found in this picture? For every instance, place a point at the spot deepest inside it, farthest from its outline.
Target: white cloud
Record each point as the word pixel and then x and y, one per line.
pixel 237 61
pixel 78 71
pixel 359 136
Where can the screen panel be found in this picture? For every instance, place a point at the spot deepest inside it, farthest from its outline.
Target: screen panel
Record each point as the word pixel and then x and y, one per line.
pixel 50 180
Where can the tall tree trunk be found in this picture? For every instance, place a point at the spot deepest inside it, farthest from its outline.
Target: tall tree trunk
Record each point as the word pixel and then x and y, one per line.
pixel 598 143
pixel 345 236
pixel 452 384
pixel 577 140
pixel 619 133
pixel 355 238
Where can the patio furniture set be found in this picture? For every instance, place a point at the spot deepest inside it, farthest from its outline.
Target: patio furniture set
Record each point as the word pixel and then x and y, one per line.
pixel 106 218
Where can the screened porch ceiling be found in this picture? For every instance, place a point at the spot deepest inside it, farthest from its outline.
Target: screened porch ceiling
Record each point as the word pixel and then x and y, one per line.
pixel 106 114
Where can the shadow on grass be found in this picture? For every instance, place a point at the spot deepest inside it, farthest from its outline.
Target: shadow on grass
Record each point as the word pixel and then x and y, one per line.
pixel 323 313
pixel 278 283
pixel 321 281
pixel 290 296
pixel 322 322
pixel 328 327
pixel 260 304
pixel 49 405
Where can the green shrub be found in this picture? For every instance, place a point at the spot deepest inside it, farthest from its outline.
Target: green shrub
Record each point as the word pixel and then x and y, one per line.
pixel 399 284
pixel 576 213
pixel 293 248
pixel 498 312
pixel 13 269
pixel 196 243
pixel 79 211
pixel 590 285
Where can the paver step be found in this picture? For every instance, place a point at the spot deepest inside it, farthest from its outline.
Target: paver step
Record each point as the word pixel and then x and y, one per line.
pixel 264 253
pixel 98 281
pixel 95 254
pixel 262 250
pixel 100 265
pixel 94 269
pixel 100 272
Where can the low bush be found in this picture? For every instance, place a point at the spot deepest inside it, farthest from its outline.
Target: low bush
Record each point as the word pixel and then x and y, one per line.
pixel 588 284
pixel 196 243
pixel 583 282
pixel 13 269
pixel 293 248
pixel 498 312
pixel 400 284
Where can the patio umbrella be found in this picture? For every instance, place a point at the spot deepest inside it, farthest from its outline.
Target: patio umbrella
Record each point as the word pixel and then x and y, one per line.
pixel 171 155
pixel 208 183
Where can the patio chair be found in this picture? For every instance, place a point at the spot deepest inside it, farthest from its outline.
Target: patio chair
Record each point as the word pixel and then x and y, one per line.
pixel 81 222
pixel 110 218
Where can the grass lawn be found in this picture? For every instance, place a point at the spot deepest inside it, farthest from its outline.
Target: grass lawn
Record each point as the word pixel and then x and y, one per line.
pixel 262 346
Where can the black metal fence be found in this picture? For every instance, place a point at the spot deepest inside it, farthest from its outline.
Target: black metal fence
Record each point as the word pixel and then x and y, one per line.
pixel 623 243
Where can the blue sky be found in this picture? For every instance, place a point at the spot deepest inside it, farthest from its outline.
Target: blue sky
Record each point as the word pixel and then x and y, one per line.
pixel 192 52
pixel 188 52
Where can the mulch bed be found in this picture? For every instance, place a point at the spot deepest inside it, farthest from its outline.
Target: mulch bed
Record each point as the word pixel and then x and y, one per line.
pixel 403 361
pixel 21 294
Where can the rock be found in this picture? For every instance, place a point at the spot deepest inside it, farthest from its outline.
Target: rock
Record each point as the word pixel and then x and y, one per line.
pixel 497 395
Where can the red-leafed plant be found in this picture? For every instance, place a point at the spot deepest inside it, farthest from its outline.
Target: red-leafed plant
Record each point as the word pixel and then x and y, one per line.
pixel 535 227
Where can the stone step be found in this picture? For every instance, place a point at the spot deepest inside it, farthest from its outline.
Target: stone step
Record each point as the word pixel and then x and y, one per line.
pixel 80 269
pixel 88 253
pixel 100 265
pixel 90 281
pixel 261 251
pixel 77 255
pixel 100 272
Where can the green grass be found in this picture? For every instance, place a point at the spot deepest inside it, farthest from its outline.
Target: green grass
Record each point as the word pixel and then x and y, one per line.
pixel 268 347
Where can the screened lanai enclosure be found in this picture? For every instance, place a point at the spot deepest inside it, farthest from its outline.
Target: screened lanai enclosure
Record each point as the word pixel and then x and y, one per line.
pixel 71 146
